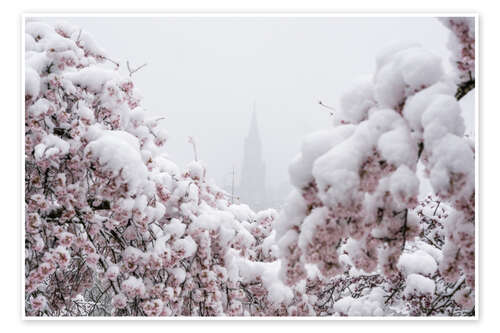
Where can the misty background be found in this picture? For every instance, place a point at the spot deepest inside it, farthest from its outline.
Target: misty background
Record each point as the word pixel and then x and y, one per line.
pixel 207 74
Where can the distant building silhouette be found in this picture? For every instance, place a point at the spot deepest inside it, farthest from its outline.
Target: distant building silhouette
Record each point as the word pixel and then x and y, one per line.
pixel 252 188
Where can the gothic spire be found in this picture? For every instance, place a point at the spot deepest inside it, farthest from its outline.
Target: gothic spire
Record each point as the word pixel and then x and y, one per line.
pixel 252 185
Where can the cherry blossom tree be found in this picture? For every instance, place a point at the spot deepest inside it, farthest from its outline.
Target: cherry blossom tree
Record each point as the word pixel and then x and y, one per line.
pixel 113 227
pixel 354 212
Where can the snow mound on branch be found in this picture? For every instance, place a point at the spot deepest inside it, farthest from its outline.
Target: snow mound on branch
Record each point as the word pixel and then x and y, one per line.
pixel 418 262
pixel 420 285
pixel 396 146
pixel 369 305
pixel 32 82
pixel 313 146
pixel 336 172
pixel 242 212
pixel 268 271
pixel 452 156
pixel 404 184
pixel 357 100
pixel 196 170
pixel 402 70
pixel 227 223
pixel 134 287
pixel 40 107
pixel 39 30
pixel 175 228
pixel 51 145
pixel 38 61
pixel 418 103
pixel 92 78
pixel 309 226
pixel 461 44
pixel 442 115
pixel 186 245
pixel 167 166
pixel 119 153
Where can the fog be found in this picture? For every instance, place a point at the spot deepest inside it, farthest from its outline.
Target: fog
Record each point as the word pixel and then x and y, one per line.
pixel 205 74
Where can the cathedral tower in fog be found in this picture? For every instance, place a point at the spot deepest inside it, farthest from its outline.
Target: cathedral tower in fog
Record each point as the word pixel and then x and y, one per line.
pixel 252 187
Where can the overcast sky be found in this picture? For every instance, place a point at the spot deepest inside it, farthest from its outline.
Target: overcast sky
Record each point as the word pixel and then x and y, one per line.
pixel 204 74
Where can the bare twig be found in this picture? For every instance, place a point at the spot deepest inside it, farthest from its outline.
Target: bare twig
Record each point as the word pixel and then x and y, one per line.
pixel 191 141
pixel 133 70
pixel 79 35
pixel 327 107
pixel 110 60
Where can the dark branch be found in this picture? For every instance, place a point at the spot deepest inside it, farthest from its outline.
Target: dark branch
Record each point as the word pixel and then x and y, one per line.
pixel 464 87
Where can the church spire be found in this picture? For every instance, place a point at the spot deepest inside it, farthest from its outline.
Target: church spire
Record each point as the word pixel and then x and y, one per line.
pixel 252 185
pixel 254 131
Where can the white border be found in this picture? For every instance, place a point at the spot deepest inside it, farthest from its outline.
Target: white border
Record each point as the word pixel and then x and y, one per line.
pixel 252 14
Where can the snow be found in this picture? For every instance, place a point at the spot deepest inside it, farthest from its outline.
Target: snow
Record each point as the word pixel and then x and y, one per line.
pixel 38 61
pixel 417 104
pixel 434 252
pixel 134 286
pixel 119 153
pixel 93 77
pixel 51 145
pixel 176 228
pixel 242 212
pixel 132 254
pixel 461 44
pixel 357 100
pixel 269 245
pixel 192 193
pixel 397 147
pixel 369 305
pixel 155 213
pixel 86 113
pixel 293 212
pixel 389 51
pixel 88 43
pixel 30 43
pixel 40 107
pixel 418 284
pixel 112 272
pixel 57 43
pixel 269 273
pixel 420 68
pixel 39 30
pixel 32 82
pixel 418 262
pixel 313 146
pixel 442 115
pixel 402 70
pixel 165 165
pixel 452 155
pixel 389 86
pixel 309 227
pixel 178 273
pixel 404 184
pixel 196 169
pixel 186 245
pixel 336 172
pixel 211 220
pixel 467 105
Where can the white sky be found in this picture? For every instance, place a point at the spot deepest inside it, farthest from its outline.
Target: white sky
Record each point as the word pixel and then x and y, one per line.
pixel 204 74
